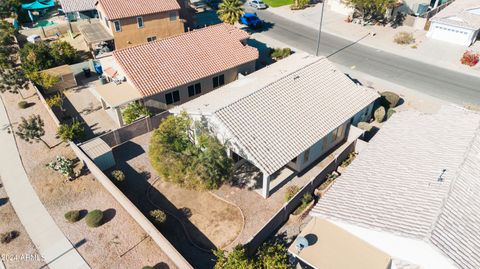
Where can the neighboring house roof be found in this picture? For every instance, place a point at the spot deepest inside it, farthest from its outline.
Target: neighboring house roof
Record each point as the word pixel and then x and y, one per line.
pixel 77 5
pixel 118 9
pixel 278 112
pixel 175 61
pixel 393 184
pixel 461 13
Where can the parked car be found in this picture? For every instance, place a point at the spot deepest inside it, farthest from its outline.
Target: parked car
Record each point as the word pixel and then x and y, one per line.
pixel 251 20
pixel 258 4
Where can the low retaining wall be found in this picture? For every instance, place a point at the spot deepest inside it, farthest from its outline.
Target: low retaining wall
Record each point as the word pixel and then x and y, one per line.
pixel 131 209
pixel 284 213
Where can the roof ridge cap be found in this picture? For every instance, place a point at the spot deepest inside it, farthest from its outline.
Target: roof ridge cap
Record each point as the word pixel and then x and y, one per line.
pixel 476 135
pixel 270 83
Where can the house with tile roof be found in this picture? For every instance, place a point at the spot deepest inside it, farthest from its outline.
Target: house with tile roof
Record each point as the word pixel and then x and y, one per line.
pixel 133 22
pixel 290 113
pixel 458 23
pixel 79 9
pixel 171 71
pixel 413 192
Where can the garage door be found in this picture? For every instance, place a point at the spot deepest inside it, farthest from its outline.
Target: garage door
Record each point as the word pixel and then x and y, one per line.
pixel 452 35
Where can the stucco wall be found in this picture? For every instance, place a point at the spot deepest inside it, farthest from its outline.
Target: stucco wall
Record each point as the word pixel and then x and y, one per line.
pixel 363 115
pixel 158 25
pixel 157 102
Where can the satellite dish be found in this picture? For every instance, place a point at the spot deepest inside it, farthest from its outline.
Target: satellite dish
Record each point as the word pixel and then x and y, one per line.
pixel 301 243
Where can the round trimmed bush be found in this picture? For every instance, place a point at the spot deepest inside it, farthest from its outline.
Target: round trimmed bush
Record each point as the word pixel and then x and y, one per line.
pixel 390 99
pixel 8 237
pixel 94 218
pixel 22 104
pixel 118 175
pixel 390 112
pixel 72 216
pixel 158 215
pixel 379 114
pixel 147 267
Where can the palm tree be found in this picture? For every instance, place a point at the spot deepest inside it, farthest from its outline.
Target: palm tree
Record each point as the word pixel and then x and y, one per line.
pixel 230 11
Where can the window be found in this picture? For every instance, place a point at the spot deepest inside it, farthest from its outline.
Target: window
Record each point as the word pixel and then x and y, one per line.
pixel 172 97
pixel 173 16
pixel 118 27
pixel 106 22
pixel 218 81
pixel 140 22
pixel 306 155
pixel 194 89
pixel 100 15
pixel 151 38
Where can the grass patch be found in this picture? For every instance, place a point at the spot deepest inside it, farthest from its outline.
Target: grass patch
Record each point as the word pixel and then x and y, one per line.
pixel 278 3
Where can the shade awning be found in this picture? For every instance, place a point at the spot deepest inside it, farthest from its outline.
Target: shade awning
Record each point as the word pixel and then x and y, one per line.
pixel 39 5
pixel 94 33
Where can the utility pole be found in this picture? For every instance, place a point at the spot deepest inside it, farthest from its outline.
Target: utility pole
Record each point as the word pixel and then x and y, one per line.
pixel 320 28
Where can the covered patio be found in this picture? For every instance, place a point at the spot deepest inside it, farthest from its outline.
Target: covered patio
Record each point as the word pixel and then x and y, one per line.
pixel 98 39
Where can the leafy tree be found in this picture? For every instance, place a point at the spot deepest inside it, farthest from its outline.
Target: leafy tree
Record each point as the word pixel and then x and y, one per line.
pixel 230 11
pixel 31 129
pixel 269 256
pixel 7 8
pixel 236 259
pixel 63 53
pixel 56 101
pixel 71 132
pixel 12 79
pixel 134 111
pixel 44 79
pixel 299 4
pixel 371 10
pixel 272 256
pixel 36 57
pixel 193 159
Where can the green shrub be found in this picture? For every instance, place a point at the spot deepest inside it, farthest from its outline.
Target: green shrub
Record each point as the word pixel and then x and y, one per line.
pixel 290 192
pixel 390 112
pixel 158 215
pixel 379 114
pixel 390 99
pixel 94 218
pixel 280 53
pixel 118 175
pixel 72 216
pixel 364 126
pixel 306 199
pixel 404 38
pixel 349 159
pixel 147 267
pixel 23 104
pixel 133 111
pixel 8 237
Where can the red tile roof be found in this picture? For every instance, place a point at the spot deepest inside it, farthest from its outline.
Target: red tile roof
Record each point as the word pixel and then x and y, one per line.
pixel 117 9
pixel 175 61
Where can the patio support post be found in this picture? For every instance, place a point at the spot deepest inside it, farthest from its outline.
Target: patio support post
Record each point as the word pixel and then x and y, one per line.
pixel 266 185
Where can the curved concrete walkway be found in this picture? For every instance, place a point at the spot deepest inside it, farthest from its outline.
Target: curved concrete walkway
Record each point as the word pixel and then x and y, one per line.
pixel 55 248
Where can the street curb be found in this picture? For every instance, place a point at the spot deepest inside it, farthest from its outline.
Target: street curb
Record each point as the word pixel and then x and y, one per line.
pixel 372 46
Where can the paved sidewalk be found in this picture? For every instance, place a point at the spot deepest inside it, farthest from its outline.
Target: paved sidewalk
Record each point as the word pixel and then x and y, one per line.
pixel 55 248
pixel 427 50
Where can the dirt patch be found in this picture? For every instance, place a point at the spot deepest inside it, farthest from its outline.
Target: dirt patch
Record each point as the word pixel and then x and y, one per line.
pixel 120 242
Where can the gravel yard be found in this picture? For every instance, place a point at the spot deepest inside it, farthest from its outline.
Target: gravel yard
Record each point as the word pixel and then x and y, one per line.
pixel 119 242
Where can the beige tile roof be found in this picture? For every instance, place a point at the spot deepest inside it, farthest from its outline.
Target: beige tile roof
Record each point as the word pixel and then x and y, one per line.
pixel 393 184
pixel 274 117
pixel 77 5
pixel 117 9
pixel 467 12
pixel 175 61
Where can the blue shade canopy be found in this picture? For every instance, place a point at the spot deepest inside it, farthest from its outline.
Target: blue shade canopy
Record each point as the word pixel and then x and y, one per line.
pixel 39 4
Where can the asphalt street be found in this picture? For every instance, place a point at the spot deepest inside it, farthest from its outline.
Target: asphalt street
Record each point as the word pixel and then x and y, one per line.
pixel 436 81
